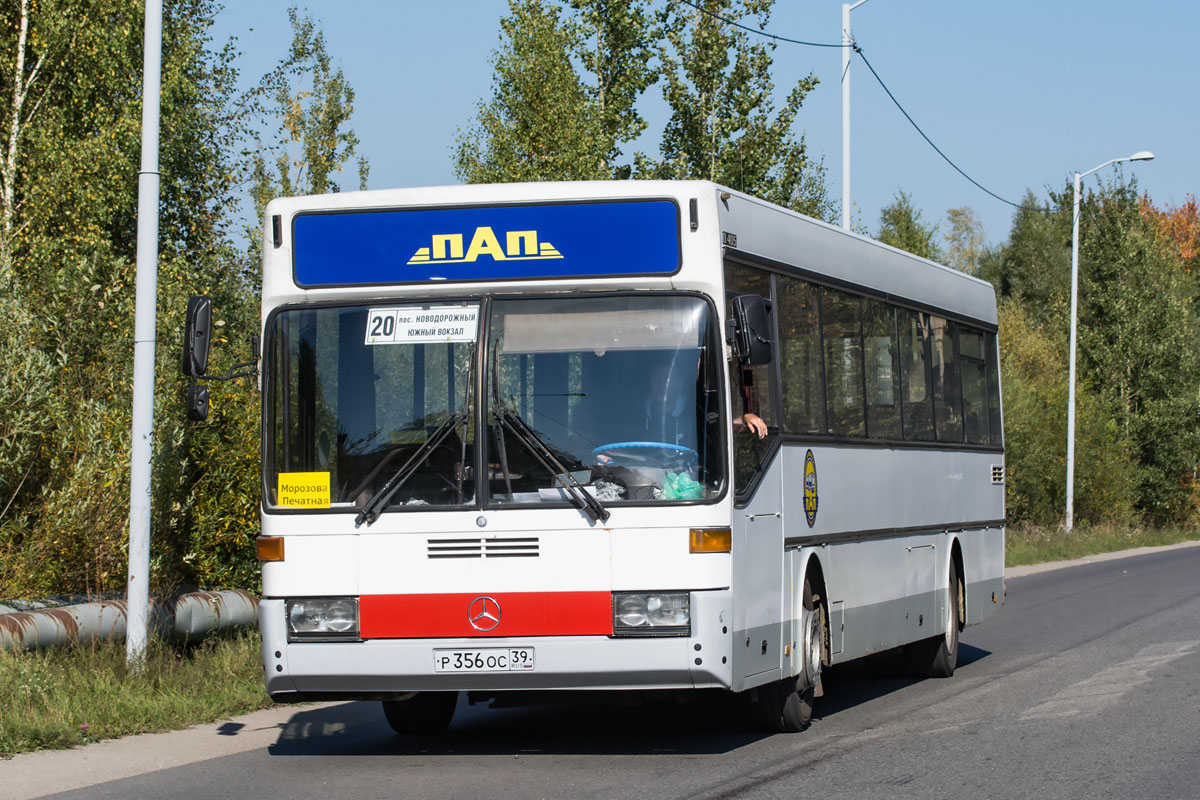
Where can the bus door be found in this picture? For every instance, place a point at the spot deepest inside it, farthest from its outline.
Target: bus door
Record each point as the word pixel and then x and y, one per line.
pixel 758 510
pixel 758 580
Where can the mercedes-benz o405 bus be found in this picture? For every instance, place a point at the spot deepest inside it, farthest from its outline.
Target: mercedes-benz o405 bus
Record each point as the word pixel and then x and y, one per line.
pixel 614 436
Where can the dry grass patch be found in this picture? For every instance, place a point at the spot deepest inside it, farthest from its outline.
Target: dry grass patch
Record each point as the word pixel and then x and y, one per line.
pixel 66 696
pixel 1036 545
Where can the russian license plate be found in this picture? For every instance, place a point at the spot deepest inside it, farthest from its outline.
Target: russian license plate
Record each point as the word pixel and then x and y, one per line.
pixel 490 659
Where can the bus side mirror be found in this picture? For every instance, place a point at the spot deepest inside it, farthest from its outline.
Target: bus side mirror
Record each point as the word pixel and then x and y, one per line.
pixel 197 336
pixel 752 329
pixel 197 402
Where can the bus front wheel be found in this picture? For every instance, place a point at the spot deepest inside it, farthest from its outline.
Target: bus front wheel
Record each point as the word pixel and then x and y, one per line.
pixel 424 712
pixel 786 706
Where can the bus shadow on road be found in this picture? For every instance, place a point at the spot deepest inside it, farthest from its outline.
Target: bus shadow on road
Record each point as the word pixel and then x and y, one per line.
pixel 576 725
pixel 868 679
pixel 586 724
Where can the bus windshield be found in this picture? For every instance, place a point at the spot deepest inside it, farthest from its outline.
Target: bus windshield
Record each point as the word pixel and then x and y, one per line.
pixel 354 394
pixel 616 396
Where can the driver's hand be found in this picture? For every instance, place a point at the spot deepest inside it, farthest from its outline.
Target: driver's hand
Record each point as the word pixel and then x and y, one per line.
pixel 756 424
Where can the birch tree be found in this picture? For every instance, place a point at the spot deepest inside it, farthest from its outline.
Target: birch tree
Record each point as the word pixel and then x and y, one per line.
pixel 723 124
pixel 549 119
pixel 308 111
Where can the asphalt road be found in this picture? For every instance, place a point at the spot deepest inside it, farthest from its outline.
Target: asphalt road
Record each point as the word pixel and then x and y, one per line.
pixel 1085 685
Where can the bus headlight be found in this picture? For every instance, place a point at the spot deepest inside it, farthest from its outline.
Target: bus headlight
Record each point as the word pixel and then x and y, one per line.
pixel 322 618
pixel 652 614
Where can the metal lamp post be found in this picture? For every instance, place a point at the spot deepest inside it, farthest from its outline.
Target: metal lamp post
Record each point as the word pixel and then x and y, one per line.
pixel 142 450
pixel 1144 155
pixel 847 41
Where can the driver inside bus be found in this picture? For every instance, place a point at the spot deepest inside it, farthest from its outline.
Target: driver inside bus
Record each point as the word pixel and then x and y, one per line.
pixel 670 411
pixel 670 396
pixel 748 420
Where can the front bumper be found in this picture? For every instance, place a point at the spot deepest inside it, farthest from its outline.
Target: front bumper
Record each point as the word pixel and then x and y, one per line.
pixel 392 666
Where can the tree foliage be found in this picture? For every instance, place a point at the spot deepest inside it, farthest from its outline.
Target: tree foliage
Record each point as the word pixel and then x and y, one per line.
pixel 1034 265
pixel 71 98
pixel 723 124
pixel 613 40
pixel 1137 362
pixel 546 121
pixel 964 240
pixel 1034 372
pixel 313 103
pixel 72 81
pixel 1180 225
pixel 1137 341
pixel 901 226
pixel 569 75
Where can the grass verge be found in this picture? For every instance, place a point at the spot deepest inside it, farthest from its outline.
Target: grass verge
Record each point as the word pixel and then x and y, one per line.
pixel 67 696
pixel 1030 545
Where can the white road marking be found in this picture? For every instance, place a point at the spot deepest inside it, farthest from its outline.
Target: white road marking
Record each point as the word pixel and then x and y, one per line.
pixel 1104 689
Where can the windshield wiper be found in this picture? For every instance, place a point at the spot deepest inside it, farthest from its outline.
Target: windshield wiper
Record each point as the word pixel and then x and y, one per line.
pixel 581 498
pixel 371 509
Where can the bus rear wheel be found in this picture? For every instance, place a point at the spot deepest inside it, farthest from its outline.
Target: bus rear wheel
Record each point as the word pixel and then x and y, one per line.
pixel 937 657
pixel 786 706
pixel 424 712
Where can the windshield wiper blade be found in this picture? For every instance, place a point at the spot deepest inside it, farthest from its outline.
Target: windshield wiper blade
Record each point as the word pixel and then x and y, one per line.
pixel 581 498
pixel 371 509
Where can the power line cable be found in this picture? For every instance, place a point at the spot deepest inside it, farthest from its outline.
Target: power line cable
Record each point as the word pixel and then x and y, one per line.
pixel 936 149
pixel 757 32
pixel 857 49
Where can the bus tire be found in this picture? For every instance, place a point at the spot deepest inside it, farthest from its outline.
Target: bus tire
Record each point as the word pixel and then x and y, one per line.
pixel 783 706
pixel 424 712
pixel 937 656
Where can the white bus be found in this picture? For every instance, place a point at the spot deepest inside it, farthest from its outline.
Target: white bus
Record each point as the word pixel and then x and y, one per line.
pixel 614 436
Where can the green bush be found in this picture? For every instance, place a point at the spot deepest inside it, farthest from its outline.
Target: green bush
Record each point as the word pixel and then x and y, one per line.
pixel 1034 380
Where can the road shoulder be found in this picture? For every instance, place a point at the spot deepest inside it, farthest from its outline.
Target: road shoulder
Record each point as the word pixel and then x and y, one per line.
pixel 31 775
pixel 1049 566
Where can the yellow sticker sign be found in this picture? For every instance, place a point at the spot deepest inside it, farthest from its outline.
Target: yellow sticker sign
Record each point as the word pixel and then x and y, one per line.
pixel 304 489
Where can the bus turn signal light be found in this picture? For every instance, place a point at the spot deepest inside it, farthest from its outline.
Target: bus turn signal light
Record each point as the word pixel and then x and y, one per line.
pixel 710 540
pixel 269 548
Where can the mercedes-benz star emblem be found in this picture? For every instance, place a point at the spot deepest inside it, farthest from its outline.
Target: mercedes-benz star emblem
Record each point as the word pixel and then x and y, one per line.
pixel 483 613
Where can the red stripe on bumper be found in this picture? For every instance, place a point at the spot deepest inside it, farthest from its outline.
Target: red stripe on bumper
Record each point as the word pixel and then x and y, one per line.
pixel 421 616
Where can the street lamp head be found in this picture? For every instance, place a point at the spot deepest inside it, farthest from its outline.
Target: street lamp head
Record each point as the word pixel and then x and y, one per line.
pixel 1142 155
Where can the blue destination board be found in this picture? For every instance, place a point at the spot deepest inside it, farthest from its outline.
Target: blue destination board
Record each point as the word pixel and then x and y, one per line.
pixel 566 240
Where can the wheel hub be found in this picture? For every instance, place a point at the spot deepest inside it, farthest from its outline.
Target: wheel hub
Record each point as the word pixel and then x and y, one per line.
pixel 812 648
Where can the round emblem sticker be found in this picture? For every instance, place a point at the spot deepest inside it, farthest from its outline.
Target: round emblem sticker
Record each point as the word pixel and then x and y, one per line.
pixel 810 488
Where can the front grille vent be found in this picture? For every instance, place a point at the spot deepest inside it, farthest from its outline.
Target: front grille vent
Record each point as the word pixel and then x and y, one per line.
pixel 997 473
pixel 511 547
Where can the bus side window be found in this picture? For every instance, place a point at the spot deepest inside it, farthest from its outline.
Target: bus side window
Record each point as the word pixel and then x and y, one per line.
pixel 841 326
pixel 750 388
pixel 947 389
pixel 914 376
pixel 883 370
pixel 803 409
pixel 992 357
pixel 974 385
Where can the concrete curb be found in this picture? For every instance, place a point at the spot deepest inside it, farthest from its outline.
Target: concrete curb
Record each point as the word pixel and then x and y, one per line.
pixel 45 772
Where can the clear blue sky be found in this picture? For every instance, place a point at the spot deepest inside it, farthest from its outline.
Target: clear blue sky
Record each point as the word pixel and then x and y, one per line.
pixel 1018 93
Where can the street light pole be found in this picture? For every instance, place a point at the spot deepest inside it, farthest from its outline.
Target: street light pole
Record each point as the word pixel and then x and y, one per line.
pixel 1144 155
pixel 142 431
pixel 847 42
